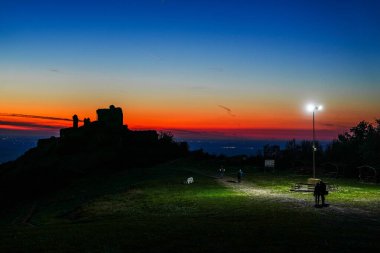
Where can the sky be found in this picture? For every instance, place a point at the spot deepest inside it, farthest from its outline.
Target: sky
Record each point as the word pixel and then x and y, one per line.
pixel 212 69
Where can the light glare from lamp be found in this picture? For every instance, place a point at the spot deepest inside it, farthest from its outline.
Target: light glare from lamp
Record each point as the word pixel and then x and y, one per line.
pixel 312 107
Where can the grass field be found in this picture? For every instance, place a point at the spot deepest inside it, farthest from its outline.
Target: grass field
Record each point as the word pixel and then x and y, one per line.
pixel 151 210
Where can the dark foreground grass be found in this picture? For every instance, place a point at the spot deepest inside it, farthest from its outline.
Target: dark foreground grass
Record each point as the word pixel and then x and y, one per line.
pixel 151 210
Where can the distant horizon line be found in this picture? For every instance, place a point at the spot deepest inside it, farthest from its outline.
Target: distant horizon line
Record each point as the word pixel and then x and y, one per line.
pixel 36 137
pixel 280 134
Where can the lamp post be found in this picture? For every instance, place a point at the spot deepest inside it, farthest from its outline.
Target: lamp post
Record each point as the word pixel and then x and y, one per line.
pixel 314 108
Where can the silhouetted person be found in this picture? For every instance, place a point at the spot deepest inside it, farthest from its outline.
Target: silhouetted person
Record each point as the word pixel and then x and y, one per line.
pixel 239 175
pixel 323 192
pixel 319 193
pixel 221 171
pixel 75 121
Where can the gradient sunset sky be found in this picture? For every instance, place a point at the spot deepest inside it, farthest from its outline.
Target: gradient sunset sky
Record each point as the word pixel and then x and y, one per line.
pixel 211 69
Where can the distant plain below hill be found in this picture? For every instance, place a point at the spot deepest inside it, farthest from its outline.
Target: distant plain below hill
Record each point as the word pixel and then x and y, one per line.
pixel 11 147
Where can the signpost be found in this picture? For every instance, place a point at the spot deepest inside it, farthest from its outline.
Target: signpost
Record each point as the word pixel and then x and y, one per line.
pixel 269 164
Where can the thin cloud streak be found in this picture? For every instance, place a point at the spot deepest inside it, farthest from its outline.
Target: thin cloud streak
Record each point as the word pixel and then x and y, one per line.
pixel 28 124
pixel 35 116
pixel 216 69
pixel 228 110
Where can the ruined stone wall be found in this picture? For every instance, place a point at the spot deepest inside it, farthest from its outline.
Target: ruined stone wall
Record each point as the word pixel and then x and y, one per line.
pixel 112 117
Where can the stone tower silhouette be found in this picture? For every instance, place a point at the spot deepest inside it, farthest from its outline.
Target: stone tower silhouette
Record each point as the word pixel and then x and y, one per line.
pixel 75 121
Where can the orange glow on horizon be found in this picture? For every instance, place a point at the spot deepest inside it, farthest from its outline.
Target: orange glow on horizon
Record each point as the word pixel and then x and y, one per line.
pixel 241 122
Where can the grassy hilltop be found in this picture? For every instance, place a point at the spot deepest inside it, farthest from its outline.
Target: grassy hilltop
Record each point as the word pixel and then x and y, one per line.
pixel 151 210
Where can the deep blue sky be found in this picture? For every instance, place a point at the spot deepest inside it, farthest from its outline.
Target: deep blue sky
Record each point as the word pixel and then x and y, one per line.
pixel 251 56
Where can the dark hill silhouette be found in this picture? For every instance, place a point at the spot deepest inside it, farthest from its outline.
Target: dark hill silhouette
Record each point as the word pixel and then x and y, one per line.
pixel 102 146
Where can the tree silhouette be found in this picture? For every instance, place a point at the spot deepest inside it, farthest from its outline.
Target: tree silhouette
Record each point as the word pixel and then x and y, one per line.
pixel 360 145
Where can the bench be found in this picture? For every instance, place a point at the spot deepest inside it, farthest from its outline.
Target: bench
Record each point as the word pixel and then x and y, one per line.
pixel 304 187
pixel 368 174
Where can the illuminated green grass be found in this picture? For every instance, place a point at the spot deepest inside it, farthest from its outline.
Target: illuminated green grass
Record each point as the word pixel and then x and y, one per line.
pixel 348 192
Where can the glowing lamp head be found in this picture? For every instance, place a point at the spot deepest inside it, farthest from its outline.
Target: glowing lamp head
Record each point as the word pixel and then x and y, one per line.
pixel 310 107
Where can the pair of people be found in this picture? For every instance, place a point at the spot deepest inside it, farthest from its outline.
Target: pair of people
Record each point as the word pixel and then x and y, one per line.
pixel 319 193
pixel 239 173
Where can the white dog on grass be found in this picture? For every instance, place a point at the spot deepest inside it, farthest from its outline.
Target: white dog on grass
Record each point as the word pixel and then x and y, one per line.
pixel 190 180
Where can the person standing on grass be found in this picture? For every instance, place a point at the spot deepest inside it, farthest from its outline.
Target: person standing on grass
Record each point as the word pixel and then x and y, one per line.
pixel 317 193
pixel 221 171
pixel 323 191
pixel 239 175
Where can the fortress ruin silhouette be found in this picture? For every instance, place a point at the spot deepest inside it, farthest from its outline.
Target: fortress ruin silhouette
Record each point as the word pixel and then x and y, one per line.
pixel 108 129
pixel 104 145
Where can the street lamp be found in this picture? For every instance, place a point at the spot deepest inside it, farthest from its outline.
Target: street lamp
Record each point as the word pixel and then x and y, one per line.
pixel 314 108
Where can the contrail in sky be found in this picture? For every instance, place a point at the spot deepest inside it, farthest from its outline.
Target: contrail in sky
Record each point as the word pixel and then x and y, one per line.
pixel 228 110
pixel 34 116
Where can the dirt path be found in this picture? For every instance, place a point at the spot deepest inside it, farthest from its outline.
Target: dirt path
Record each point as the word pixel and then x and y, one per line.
pixel 264 194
